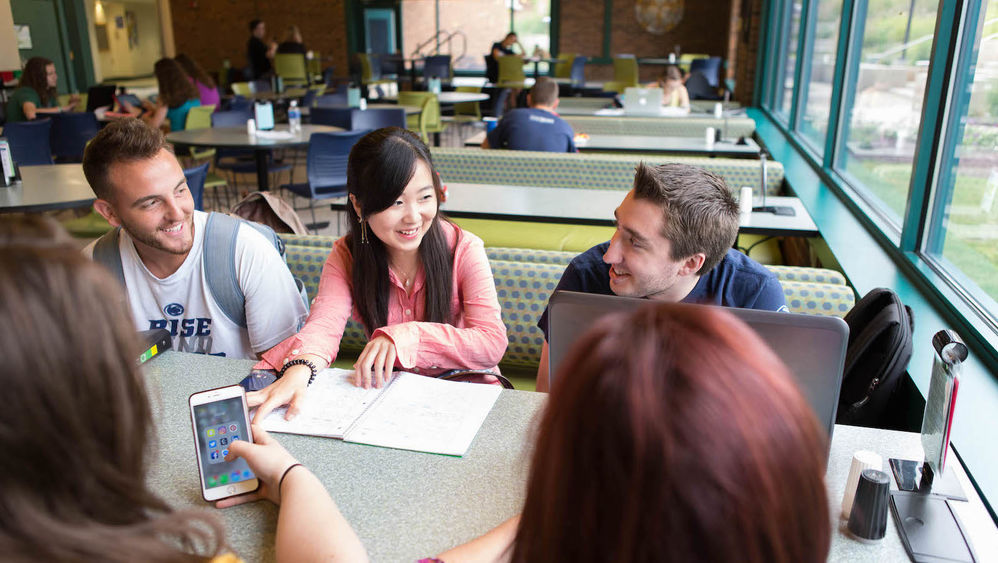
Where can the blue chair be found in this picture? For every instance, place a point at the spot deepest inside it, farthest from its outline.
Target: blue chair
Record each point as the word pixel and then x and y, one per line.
pixel 70 134
pixel 376 118
pixel 699 88
pixel 30 143
pixel 334 99
pixel 711 69
pixel 241 105
pixel 333 116
pixel 578 73
pixel 327 169
pixel 195 183
pixel 437 66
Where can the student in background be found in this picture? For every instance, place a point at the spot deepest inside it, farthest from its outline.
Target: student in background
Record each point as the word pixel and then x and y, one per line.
pixel 674 93
pixel 77 425
pixel 207 90
pixel 421 287
pixel 537 128
pixel 177 95
pixel 292 42
pixel 259 54
pixel 672 434
pixel 35 95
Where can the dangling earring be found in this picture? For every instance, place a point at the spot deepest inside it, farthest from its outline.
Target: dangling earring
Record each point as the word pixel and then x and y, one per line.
pixel 363 230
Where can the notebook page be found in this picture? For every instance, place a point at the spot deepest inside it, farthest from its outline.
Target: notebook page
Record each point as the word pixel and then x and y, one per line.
pixel 331 404
pixel 424 414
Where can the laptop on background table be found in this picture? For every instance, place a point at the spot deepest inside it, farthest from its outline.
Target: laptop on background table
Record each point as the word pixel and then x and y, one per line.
pixel 812 347
pixel 643 101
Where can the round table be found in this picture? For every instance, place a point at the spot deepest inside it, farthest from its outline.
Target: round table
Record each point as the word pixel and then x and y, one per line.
pixel 238 138
pixel 461 97
pixel 47 187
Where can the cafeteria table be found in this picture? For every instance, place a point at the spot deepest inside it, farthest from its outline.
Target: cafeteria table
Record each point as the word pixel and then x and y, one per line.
pixel 238 138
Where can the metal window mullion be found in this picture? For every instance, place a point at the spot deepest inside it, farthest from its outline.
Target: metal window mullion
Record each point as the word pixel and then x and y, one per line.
pixel 842 53
pixel 848 80
pixel 805 37
pixel 763 91
pixel 933 124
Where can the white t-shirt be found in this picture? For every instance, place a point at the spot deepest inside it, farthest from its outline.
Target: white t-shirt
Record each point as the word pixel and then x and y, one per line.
pixel 182 302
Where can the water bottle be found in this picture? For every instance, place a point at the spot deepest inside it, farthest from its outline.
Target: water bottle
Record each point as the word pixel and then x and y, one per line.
pixel 294 117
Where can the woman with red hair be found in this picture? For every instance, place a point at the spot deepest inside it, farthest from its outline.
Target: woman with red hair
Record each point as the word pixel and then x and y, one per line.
pixel 672 434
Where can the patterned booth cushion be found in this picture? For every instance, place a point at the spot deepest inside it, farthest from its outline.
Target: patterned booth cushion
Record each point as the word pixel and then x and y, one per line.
pixel 661 127
pixel 587 171
pixel 526 278
pixel 818 298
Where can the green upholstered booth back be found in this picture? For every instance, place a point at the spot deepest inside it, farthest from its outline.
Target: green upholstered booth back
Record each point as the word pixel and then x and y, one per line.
pixel 525 279
pixel 689 126
pixel 586 171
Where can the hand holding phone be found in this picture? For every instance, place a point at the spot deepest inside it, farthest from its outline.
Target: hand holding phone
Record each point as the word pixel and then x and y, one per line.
pixel 220 419
pixel 268 460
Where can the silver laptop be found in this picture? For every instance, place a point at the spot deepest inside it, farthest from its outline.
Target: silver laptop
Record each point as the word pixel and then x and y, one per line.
pixel 643 101
pixel 812 347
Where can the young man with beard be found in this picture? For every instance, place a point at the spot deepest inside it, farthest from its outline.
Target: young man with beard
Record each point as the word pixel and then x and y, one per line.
pixel 141 190
pixel 675 231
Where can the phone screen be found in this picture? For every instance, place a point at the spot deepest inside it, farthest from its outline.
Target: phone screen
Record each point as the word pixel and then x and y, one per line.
pixel 218 424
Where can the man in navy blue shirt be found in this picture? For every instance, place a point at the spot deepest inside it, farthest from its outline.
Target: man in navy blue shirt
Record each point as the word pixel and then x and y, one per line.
pixel 675 230
pixel 537 128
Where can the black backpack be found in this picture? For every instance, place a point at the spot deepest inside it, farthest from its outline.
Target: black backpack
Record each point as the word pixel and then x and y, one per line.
pixel 880 329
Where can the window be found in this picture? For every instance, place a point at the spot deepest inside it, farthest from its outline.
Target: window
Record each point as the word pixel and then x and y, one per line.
pixel 821 62
pixel 963 233
pixel 884 104
pixel 784 91
pixel 468 28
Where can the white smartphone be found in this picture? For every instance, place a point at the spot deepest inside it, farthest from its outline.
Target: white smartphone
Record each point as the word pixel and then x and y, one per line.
pixel 220 417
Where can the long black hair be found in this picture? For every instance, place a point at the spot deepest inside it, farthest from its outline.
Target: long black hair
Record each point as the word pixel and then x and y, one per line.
pixel 381 165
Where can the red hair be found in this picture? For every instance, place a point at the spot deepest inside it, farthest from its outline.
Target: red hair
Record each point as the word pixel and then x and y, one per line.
pixel 675 434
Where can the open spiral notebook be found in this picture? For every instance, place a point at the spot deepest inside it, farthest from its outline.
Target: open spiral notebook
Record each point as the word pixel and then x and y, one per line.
pixel 411 412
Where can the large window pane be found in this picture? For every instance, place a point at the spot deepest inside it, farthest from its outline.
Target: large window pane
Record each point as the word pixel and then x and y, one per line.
pixel 471 25
pixel 532 24
pixel 886 111
pixel 966 229
pixel 784 94
pixel 814 122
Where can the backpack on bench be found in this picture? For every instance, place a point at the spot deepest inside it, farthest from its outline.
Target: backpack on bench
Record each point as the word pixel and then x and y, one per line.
pixel 218 261
pixel 880 346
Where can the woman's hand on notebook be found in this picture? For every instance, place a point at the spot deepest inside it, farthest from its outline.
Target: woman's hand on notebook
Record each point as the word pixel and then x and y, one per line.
pixel 375 364
pixel 288 390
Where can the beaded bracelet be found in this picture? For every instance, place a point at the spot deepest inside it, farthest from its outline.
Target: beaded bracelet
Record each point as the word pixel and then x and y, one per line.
pixel 300 362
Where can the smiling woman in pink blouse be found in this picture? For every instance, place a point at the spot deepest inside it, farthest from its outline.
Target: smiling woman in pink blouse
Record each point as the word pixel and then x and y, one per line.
pixel 421 286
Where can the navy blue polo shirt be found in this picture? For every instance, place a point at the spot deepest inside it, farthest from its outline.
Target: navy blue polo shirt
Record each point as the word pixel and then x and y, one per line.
pixel 737 281
pixel 531 129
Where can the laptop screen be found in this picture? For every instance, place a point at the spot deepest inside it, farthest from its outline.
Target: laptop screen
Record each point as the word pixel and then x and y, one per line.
pixel 643 101
pixel 812 347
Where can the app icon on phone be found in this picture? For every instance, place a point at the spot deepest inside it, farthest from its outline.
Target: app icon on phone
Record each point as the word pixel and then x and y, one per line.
pixel 214 454
pixel 223 478
pixel 234 476
pixel 247 474
pixel 211 432
pixel 213 443
pixel 235 437
pixel 221 430
pixel 225 453
pixel 232 428
pixel 212 481
pixel 224 441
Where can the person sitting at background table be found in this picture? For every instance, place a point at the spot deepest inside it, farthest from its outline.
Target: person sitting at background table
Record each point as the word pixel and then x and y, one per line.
pixel 77 427
pixel 505 47
pixel 177 95
pixel 207 90
pixel 259 54
pixel 421 287
pixel 292 43
pixel 674 93
pixel 674 238
pixel 35 95
pixel 537 128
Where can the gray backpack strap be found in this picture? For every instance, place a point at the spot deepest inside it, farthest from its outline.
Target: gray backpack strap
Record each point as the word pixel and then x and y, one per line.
pixel 108 253
pixel 219 262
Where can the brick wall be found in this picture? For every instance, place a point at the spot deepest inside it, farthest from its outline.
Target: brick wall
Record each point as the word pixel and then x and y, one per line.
pixel 705 28
pixel 213 30
pixel 748 49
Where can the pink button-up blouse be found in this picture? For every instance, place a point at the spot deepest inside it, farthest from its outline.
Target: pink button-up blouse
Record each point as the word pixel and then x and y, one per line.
pixel 475 340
